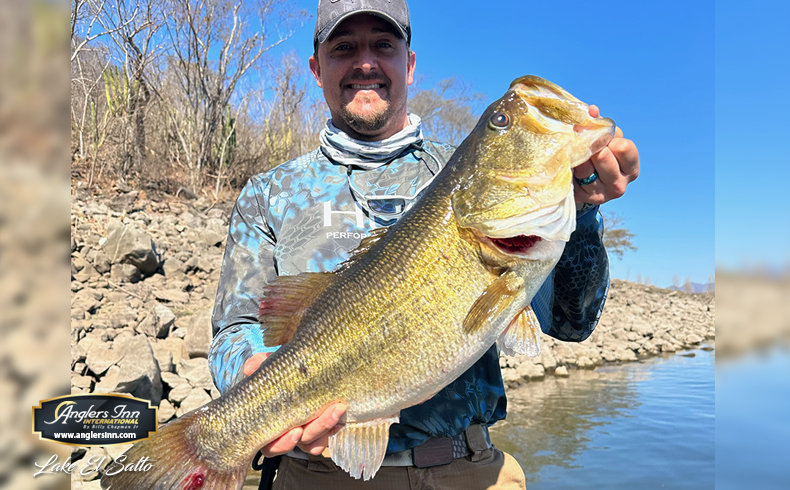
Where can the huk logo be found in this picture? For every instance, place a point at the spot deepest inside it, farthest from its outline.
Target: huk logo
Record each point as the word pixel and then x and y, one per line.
pixel 357 213
pixel 93 420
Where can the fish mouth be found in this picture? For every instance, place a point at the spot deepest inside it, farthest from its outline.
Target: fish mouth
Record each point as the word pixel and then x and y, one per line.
pixel 518 245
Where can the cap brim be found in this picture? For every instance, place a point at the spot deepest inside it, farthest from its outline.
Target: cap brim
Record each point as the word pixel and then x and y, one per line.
pixel 328 30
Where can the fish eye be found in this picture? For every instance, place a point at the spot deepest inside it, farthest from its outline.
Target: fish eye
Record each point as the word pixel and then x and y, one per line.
pixel 500 120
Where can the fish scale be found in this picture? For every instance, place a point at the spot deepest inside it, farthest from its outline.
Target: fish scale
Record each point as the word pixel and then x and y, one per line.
pixel 411 310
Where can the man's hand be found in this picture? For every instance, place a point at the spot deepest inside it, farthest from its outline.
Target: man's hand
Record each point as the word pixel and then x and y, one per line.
pixel 312 437
pixel 617 165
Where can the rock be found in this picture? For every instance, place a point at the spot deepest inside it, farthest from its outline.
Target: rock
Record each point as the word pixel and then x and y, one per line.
pixel 165 412
pixel 196 399
pixel 198 336
pixel 582 362
pixel 140 374
pixel 101 356
pixel 530 370
pixel 81 383
pixel 86 300
pixel 87 273
pixel 109 382
pixel 157 323
pixel 547 359
pixel 197 372
pixel 172 380
pixel 179 392
pixel 561 371
pixel 693 339
pixel 122 316
pixel 174 268
pixel 102 262
pixel 172 347
pixel 120 273
pixel 197 263
pixel 172 295
pixel 129 245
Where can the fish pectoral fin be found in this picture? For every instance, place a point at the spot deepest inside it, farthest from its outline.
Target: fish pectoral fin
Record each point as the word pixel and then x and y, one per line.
pixel 284 301
pixel 522 336
pixel 494 300
pixel 359 447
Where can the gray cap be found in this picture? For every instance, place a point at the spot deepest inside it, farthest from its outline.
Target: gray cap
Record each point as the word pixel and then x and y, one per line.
pixel 333 12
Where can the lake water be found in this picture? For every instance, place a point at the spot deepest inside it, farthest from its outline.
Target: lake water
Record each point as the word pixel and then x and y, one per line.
pixel 753 420
pixel 638 425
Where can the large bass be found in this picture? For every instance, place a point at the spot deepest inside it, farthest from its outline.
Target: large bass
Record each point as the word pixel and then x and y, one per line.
pixel 412 309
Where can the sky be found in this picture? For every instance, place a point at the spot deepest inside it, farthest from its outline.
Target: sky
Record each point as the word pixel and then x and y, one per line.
pixel 647 65
pixel 752 127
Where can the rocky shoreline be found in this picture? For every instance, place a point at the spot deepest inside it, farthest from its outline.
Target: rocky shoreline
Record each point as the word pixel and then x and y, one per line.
pixel 144 274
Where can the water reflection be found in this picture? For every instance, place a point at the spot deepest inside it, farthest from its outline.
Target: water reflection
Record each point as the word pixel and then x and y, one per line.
pixel 643 424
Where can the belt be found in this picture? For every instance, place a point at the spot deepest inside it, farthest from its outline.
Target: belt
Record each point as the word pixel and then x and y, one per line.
pixel 435 451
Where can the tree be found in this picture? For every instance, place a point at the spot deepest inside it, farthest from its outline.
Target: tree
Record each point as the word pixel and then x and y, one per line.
pixel 214 43
pixel 616 238
pixel 448 111
pixel 132 26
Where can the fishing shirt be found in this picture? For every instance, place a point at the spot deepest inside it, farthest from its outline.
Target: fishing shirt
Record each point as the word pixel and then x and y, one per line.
pixel 308 214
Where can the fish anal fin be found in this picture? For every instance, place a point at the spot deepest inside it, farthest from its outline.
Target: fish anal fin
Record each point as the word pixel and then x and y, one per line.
pixel 494 300
pixel 522 336
pixel 284 301
pixel 364 246
pixel 359 447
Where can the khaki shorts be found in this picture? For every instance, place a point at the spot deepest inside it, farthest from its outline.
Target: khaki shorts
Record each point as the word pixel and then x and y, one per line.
pixel 495 470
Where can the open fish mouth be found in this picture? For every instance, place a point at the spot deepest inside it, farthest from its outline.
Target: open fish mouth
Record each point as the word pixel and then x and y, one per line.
pixel 517 245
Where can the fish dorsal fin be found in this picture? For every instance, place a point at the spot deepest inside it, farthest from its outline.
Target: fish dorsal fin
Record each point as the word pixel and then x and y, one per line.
pixel 284 301
pixel 522 336
pixel 359 447
pixel 494 300
pixel 364 246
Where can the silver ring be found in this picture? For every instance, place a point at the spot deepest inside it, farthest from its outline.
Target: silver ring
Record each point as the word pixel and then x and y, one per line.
pixel 588 180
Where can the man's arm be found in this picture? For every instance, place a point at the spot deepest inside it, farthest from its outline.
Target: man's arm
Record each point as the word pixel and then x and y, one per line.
pixel 237 349
pixel 248 265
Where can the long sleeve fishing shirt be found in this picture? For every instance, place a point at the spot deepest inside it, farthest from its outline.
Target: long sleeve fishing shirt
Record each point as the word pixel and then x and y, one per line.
pixel 308 214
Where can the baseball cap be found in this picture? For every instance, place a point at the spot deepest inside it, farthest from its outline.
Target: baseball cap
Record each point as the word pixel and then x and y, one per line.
pixel 332 12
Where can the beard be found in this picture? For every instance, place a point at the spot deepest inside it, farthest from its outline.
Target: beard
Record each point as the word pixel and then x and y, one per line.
pixel 368 122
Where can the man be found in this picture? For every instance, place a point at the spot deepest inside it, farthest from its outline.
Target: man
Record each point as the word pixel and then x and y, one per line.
pixel 306 215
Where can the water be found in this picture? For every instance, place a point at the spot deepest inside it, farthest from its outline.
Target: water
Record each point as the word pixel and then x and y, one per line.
pixel 752 413
pixel 639 425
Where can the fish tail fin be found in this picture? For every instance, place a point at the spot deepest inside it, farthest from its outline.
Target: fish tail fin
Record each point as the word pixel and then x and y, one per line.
pixel 168 460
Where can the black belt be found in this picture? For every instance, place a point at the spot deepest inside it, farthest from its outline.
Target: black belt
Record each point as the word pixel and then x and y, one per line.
pixel 435 451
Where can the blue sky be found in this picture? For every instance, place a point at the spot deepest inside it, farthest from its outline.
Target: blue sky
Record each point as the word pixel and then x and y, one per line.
pixel 648 65
pixel 752 129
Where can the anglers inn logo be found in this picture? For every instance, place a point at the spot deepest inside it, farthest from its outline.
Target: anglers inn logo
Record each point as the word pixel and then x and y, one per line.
pixel 94 419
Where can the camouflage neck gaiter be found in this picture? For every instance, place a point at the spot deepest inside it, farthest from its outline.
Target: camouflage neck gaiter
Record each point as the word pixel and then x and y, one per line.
pixel 343 149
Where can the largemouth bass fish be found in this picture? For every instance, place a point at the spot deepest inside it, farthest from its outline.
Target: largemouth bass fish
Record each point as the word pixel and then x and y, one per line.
pixel 412 309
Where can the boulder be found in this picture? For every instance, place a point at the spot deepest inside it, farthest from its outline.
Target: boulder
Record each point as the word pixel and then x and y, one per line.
pixel 109 382
pixel 530 370
pixel 180 392
pixel 100 356
pixel 165 412
pixel 139 371
pixel 129 245
pixel 197 372
pixel 198 336
pixel 157 323
pixel 120 273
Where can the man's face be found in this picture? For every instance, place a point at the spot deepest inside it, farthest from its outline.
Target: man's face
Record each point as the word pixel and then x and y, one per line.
pixel 364 68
